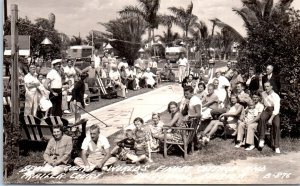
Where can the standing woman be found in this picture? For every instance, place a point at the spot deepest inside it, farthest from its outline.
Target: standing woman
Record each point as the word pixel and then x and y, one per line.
pixel 31 95
pixel 54 84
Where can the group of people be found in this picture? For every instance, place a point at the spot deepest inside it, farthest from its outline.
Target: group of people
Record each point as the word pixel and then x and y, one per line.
pixel 57 90
pixel 221 96
pixel 54 92
pixel 235 103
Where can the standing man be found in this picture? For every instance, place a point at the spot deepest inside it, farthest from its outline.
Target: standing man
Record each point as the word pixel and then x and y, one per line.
pixel 182 67
pixel 211 71
pixel 97 60
pixel 270 116
pixel 95 151
pixel 31 95
pixel 140 62
pixel 54 84
pixel 274 80
pixel 228 73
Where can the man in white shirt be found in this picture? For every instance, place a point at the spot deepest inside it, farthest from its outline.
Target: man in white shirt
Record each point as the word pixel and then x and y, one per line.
pixel 54 84
pixel 194 103
pixel 95 152
pixel 182 67
pixel 270 116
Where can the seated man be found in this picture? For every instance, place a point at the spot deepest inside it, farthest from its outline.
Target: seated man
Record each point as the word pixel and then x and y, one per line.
pixel 210 102
pixel 194 104
pixel 57 153
pixel 95 152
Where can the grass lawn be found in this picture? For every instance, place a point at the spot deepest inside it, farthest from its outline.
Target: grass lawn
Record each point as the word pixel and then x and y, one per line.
pixel 218 151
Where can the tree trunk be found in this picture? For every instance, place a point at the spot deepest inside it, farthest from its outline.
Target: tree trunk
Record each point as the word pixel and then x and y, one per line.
pixel 149 36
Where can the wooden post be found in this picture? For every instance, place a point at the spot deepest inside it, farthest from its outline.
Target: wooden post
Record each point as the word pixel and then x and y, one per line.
pixel 15 69
pixel 12 150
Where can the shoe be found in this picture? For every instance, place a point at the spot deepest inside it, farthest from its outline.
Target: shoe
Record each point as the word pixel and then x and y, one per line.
pixel 238 145
pixel 261 143
pixel 104 168
pixel 250 148
pixel 67 112
pixel 277 151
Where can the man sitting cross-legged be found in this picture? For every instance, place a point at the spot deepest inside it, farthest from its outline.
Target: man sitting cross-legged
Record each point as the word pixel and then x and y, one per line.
pixel 95 152
pixel 57 153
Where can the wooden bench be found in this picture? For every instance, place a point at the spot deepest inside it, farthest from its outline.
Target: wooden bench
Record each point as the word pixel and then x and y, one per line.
pixel 188 137
pixel 35 129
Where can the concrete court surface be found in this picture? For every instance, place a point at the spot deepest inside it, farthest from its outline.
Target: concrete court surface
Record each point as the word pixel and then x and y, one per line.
pixel 118 114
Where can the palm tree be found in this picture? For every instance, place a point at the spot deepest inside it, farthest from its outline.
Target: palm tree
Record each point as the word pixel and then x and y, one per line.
pixel 184 18
pixel 126 34
pixel 148 11
pixel 168 37
pixel 256 12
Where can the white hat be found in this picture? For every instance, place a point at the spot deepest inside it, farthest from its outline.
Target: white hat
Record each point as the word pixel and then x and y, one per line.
pixel 56 61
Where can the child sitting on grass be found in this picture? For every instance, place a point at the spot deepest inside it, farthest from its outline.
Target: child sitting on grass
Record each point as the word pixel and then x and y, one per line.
pixel 124 150
pixel 142 148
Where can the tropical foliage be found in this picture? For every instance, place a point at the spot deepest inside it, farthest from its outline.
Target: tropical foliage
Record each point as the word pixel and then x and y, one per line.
pixel 274 38
pixel 185 19
pixel 126 34
pixel 148 11
pixel 38 31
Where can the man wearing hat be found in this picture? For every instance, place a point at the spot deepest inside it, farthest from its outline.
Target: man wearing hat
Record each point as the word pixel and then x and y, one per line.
pixel 31 95
pixel 54 84
pixel 211 71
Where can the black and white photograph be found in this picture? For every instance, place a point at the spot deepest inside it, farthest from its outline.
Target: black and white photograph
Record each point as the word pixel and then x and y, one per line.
pixel 151 92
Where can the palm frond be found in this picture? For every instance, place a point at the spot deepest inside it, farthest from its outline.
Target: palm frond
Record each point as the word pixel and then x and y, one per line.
pixel 189 9
pixel 237 36
pixel 267 7
pixel 132 11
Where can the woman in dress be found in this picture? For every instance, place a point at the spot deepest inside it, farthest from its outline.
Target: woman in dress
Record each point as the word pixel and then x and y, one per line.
pixel 176 121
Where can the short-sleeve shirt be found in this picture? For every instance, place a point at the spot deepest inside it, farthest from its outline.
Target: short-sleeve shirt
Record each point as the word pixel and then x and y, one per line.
pixel 89 145
pixel 182 62
pixel 55 79
pixel 30 79
pixel 195 100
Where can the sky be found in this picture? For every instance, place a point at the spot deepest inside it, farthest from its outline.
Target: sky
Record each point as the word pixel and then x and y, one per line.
pixel 82 16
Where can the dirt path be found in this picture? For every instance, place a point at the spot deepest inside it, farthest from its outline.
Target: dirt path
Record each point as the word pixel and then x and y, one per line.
pixel 282 169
